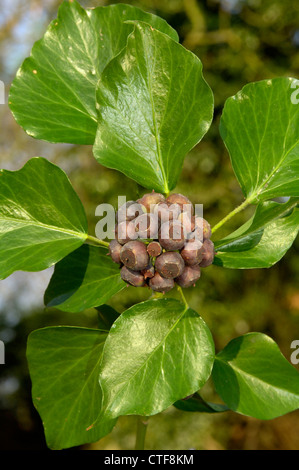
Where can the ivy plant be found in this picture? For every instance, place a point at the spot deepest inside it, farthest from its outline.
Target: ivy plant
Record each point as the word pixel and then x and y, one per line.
pixel 141 101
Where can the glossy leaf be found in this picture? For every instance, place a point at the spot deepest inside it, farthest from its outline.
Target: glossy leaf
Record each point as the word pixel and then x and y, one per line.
pixel 154 106
pixel 253 378
pixel 260 128
pixel 263 240
pixel 41 217
pixel 84 279
pixel 64 367
pixel 156 352
pixel 197 404
pixel 53 94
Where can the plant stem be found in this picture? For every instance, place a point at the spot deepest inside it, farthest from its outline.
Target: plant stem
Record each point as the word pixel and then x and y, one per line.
pixel 96 241
pixel 142 422
pixel 182 295
pixel 238 209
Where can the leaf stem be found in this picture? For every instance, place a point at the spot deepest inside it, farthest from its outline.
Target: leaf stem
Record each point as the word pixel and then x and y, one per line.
pixel 142 423
pixel 180 290
pixel 238 209
pixel 96 241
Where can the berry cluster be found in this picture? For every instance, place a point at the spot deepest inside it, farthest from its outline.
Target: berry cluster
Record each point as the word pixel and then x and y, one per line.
pixel 159 242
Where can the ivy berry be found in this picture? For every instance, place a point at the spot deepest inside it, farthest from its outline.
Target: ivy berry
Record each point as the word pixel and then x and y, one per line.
pixel 160 242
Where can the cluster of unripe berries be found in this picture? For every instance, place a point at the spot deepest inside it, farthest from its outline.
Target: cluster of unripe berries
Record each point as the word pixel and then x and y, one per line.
pixel 159 242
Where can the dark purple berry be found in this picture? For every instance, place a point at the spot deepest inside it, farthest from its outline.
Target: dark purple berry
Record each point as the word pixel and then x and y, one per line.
pixel 151 199
pixel 125 231
pixel 172 235
pixel 154 249
pixel 146 226
pixel 190 275
pixel 134 255
pixel 184 203
pixel 161 284
pixel 207 254
pixel 134 278
pixel 114 250
pixel 192 252
pixel 170 264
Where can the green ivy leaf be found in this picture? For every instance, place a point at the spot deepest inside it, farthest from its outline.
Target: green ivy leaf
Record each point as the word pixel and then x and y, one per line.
pixel 263 240
pixel 154 106
pixel 53 94
pixel 41 217
pixel 86 278
pixel 260 128
pixel 197 404
pixel 253 378
pixel 64 367
pixel 106 316
pixel 156 352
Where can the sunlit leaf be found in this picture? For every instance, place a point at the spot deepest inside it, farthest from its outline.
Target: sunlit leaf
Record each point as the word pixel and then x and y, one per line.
pixel 254 378
pixel 154 106
pixel 260 128
pixel 156 352
pixel 41 217
pixel 53 94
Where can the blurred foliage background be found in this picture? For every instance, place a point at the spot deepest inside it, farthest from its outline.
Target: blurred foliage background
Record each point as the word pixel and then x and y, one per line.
pixel 238 41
